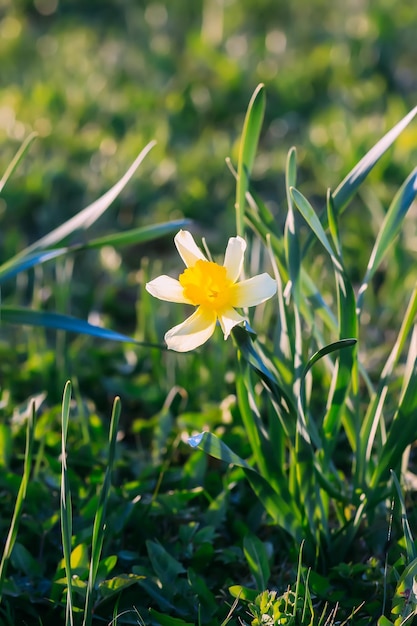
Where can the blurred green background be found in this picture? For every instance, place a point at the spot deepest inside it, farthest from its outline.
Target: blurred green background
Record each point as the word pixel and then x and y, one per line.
pixel 98 79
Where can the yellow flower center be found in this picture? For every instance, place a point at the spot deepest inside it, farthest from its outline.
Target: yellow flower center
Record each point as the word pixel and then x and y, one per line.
pixel 206 284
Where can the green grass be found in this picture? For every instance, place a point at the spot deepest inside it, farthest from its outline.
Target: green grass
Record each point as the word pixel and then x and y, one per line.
pixel 255 479
pixel 269 479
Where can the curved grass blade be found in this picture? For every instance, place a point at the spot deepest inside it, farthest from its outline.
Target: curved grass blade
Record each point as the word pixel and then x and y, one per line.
pixel 280 506
pixel 255 360
pixel 374 415
pixel 66 506
pixel 100 516
pixel 85 218
pixel 291 242
pixel 389 229
pixel 248 146
pixel 313 221
pixel 212 445
pixel 402 431
pixel 332 347
pixel 20 500
pixel 408 535
pixel 16 159
pixel 15 266
pixel 357 175
pixel 134 236
pixel 257 558
pixel 22 316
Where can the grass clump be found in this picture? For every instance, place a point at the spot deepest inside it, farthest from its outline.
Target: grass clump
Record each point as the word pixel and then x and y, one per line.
pixel 262 480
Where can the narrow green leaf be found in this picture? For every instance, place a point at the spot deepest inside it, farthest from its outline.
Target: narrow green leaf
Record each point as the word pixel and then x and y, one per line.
pixel 20 500
pixel 348 187
pixel 389 229
pixel 402 431
pixel 312 219
pixel 167 620
pixel 331 347
pixel 22 316
pixel 247 151
pixel 16 159
pixel 212 445
pixel 281 507
pixel 85 218
pixel 100 516
pixel 66 506
pixel 257 558
pixel 278 505
pixel 292 244
pixel 408 536
pixel 374 416
pixel 15 266
pixel 136 235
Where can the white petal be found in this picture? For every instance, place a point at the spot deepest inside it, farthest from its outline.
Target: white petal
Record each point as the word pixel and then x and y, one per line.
pixel 228 320
pixel 253 291
pixel 193 332
pixel 233 259
pixel 187 248
pixel 167 288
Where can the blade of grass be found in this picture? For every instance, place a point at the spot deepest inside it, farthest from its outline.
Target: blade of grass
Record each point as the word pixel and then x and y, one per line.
pixel 389 229
pixel 100 516
pixel 16 159
pixel 22 316
pixel 348 187
pixel 247 150
pixel 135 236
pixel 257 558
pixel 373 417
pixel 66 507
pixel 85 218
pixel 20 500
pixel 402 429
pixel 408 536
pixel 280 506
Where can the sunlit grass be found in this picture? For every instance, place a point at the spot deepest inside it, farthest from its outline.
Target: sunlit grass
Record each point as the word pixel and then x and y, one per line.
pixel 259 479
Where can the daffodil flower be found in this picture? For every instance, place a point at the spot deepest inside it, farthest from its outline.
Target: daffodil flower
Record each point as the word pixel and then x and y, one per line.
pixel 212 288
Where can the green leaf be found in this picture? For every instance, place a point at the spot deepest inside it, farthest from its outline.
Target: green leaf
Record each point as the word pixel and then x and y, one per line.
pixel 20 500
pixel 85 218
pixel 312 220
pixel 331 347
pixel 389 229
pixel 357 175
pixel 117 584
pixel 247 151
pixel 243 593
pixel 257 558
pixel 402 431
pixel 19 315
pixel 165 566
pixel 166 620
pixel 215 447
pixel 23 561
pixel 16 159
pixel 15 266
pixel 408 536
pixel 280 506
pixel 135 236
